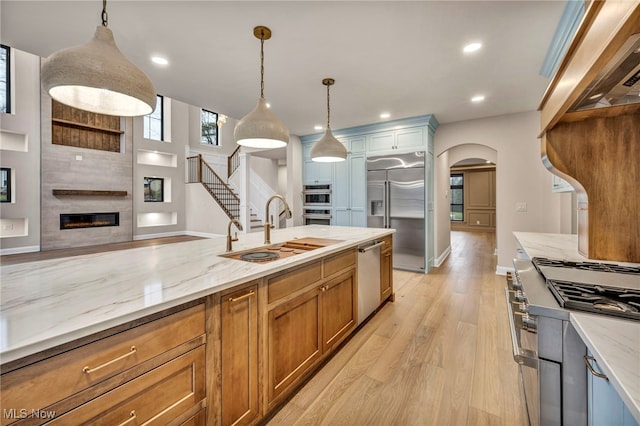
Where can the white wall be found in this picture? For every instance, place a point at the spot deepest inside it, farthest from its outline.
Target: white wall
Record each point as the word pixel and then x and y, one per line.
pixel 294 181
pixel 204 217
pixel 23 127
pixel 176 137
pixel 520 177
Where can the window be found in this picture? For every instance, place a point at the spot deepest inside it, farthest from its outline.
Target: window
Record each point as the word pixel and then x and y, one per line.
pixel 153 123
pixel 5 185
pixel 209 121
pixel 153 190
pixel 5 79
pixel 457 197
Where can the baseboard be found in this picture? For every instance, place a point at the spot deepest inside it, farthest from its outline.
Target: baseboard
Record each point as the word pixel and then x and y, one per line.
pixel 18 250
pixel 203 234
pixel 159 235
pixel 438 260
pixel 502 270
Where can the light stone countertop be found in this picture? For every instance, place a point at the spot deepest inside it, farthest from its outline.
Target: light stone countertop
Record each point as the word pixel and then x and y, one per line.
pixel 47 303
pixel 556 246
pixel 614 342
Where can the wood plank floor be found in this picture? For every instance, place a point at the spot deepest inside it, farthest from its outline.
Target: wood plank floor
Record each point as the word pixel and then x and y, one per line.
pixel 11 259
pixel 439 355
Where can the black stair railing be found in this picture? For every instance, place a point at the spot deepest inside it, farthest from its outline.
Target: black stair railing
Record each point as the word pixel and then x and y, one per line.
pixel 198 171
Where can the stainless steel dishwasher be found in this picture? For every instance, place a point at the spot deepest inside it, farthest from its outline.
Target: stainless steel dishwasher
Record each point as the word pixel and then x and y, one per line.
pixel 368 278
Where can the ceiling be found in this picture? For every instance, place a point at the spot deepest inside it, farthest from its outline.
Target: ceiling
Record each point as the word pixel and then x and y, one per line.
pixel 404 58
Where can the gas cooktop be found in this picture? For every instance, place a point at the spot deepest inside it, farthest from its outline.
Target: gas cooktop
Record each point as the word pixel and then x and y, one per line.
pixel 603 288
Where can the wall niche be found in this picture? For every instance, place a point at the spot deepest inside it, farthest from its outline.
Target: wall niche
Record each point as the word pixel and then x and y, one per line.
pixel 83 129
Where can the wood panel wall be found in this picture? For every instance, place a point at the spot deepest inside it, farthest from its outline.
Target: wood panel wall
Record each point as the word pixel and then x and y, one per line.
pixel 75 127
pixel 603 155
pixel 479 199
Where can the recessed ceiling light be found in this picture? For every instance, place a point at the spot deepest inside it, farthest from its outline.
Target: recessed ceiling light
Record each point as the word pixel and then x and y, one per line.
pixel 318 127
pixel 385 115
pixel 478 98
pixel 472 47
pixel 159 60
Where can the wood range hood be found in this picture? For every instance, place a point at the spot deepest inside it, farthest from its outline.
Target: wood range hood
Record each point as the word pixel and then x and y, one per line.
pixel 597 149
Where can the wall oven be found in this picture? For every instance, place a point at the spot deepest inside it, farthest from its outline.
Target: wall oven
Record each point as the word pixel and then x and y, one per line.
pixel 316 196
pixel 317 215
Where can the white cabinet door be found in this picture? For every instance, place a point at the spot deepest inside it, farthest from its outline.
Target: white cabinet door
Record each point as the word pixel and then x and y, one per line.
pixel 410 139
pixel 605 407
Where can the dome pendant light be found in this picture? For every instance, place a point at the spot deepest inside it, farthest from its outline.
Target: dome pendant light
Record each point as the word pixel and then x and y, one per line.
pixel 97 77
pixel 328 149
pixel 261 128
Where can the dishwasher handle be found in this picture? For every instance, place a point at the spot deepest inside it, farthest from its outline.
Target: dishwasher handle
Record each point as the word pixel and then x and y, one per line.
pixel 371 247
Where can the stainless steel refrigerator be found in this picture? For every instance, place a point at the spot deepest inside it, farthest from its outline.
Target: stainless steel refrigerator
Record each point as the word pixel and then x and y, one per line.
pixel 395 199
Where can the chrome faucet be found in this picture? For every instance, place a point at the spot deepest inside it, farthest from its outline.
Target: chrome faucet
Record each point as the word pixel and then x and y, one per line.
pixel 267 224
pixel 229 239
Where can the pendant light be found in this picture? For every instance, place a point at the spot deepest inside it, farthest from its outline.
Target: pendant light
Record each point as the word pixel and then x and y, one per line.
pixel 97 77
pixel 261 128
pixel 328 149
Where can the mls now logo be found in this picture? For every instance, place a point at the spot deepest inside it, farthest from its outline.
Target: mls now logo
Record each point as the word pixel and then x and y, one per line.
pixel 23 413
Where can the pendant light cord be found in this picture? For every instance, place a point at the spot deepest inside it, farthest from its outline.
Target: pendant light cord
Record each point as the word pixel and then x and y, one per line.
pixel 328 107
pixel 105 16
pixel 261 64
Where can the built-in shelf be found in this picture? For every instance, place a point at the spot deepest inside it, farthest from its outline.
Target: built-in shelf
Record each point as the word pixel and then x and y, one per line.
pixel 86 126
pixel 89 192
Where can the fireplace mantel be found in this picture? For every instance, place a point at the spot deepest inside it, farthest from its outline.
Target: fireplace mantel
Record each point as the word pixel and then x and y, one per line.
pixel 90 192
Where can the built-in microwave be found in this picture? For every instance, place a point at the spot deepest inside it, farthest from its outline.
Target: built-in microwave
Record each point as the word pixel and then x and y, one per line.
pixel 317 195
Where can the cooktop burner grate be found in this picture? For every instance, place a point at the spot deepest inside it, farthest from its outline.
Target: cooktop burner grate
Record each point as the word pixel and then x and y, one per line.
pixel 588 266
pixel 606 300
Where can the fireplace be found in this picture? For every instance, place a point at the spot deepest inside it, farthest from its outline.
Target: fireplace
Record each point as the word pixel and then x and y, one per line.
pixel 89 220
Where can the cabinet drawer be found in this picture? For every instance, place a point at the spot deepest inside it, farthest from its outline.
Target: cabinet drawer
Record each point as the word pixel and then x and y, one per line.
pixel 156 397
pixel 41 384
pixel 289 282
pixel 339 261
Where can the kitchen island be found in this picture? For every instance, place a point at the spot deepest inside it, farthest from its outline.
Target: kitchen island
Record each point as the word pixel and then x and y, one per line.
pixel 612 341
pixel 53 308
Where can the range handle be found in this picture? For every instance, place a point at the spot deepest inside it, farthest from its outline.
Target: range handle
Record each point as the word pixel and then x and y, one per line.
pixel 521 356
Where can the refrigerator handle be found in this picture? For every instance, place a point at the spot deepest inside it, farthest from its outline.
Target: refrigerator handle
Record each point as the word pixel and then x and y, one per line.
pixel 387 208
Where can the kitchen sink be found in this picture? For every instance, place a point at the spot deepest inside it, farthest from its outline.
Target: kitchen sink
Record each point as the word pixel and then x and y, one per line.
pixel 281 250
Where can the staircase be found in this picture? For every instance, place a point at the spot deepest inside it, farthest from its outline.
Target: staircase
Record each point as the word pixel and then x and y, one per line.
pixel 199 171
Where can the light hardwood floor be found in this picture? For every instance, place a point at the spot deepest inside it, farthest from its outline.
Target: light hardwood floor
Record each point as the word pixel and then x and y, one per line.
pixel 439 355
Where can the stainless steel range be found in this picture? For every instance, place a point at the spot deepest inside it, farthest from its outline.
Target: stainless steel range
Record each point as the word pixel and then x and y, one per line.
pixel 549 351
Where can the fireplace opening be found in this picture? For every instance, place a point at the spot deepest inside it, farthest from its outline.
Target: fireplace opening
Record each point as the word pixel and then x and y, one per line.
pixel 89 220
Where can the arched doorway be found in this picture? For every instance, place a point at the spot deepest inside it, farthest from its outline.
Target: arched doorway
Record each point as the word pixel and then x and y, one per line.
pixel 479 164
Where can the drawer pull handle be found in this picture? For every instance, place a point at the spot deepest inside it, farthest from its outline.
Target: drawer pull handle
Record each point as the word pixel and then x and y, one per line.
pixel 132 417
pixel 588 358
pixel 88 370
pixel 244 296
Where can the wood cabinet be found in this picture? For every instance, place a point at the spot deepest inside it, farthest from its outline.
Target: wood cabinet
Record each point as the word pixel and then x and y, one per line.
pixel 338 305
pixel 174 391
pixel 239 356
pixel 154 369
pixel 386 270
pixel 307 323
